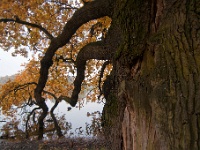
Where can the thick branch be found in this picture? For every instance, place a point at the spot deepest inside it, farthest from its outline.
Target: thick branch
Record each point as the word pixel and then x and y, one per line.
pixel 95 50
pixel 89 12
pixel 92 10
pixel 44 107
pixel 102 50
pixel 17 20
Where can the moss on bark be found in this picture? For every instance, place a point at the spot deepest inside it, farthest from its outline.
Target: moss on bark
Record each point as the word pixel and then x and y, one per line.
pixel 158 66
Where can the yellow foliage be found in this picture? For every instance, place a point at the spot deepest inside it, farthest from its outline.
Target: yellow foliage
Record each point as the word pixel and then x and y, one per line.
pixel 30 39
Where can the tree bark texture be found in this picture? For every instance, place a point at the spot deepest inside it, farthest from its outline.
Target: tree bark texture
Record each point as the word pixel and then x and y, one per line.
pixel 154 98
pixel 152 95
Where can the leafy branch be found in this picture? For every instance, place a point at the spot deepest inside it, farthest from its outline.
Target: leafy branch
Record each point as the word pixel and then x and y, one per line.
pixel 17 20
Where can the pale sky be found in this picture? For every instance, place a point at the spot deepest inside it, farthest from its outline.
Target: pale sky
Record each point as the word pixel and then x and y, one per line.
pixel 10 65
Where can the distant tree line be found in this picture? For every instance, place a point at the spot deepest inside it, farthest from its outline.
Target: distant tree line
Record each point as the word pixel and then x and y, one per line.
pixel 6 78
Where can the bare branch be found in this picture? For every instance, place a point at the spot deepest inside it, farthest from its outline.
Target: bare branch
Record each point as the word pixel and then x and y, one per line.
pixel 17 20
pixel 28 118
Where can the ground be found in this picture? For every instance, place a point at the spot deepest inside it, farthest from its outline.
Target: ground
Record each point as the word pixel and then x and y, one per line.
pixel 59 144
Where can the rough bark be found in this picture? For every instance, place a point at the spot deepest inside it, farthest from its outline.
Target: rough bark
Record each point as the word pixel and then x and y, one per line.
pixel 152 95
pixel 156 102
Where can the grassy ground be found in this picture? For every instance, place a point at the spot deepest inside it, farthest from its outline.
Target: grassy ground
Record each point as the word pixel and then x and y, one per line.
pixel 60 144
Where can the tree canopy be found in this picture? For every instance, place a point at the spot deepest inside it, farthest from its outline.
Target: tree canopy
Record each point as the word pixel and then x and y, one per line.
pixel 66 41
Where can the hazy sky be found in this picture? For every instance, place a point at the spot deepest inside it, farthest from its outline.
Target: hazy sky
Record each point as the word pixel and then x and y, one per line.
pixel 10 65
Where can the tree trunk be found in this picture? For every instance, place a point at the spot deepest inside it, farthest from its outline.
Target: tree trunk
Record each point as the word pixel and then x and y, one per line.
pixel 154 102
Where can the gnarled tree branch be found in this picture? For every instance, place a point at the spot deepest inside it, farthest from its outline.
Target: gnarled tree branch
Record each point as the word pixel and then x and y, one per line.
pixel 92 51
pixel 96 50
pixel 89 12
pixel 93 10
pixel 101 50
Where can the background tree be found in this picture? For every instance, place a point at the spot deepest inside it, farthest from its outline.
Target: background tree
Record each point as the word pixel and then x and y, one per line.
pixel 152 93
